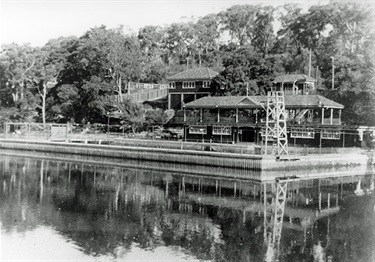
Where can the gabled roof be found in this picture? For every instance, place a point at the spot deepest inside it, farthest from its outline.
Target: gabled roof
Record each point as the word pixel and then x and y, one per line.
pixel 291 101
pixel 293 78
pixel 310 101
pixel 224 102
pixel 199 73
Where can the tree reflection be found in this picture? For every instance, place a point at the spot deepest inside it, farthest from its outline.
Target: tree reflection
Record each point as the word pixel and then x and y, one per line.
pixel 106 210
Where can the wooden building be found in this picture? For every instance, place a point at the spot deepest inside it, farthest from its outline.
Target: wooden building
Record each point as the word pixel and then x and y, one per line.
pixel 241 118
pixel 312 119
pixel 297 84
pixel 189 85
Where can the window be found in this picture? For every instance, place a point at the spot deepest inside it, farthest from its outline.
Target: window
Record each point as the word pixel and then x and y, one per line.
pixel 206 84
pixel 222 130
pixel 172 85
pixel 302 133
pixel 190 84
pixel 198 130
pixel 331 134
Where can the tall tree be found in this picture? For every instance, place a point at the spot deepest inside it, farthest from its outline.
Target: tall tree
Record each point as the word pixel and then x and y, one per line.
pixel 243 66
pixel 207 39
pixel 239 21
pixel 17 61
pixel 264 36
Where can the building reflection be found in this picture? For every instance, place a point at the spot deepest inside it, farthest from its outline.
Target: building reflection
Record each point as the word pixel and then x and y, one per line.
pixel 106 208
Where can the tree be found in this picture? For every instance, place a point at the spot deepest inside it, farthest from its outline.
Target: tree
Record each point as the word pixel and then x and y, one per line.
pixel 65 106
pixel 49 62
pixel 264 37
pixel 16 62
pixel 150 40
pixel 132 114
pixel 242 66
pixel 239 21
pixel 98 65
pixel 206 42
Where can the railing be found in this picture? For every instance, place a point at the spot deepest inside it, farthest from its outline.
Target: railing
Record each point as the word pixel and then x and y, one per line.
pixel 147 95
pixel 227 119
pixel 143 95
pixel 179 118
pixel 327 121
pixel 209 119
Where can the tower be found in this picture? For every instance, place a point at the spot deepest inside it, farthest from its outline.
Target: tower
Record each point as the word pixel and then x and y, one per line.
pixel 275 139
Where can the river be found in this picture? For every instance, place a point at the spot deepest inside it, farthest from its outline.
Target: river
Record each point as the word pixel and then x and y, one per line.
pixel 63 210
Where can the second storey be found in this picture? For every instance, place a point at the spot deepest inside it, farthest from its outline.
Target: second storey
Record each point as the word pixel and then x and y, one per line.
pixel 189 85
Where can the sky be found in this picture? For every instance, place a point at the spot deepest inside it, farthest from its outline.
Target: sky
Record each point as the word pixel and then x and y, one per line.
pixel 35 22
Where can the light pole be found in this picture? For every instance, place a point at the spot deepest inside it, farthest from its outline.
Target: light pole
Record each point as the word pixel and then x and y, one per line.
pixel 333 72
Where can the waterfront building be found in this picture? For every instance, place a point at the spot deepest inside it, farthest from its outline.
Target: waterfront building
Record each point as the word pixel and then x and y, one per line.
pixel 190 85
pixel 312 119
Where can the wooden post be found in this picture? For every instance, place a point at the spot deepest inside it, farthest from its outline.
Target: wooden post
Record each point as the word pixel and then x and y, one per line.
pixel 184 114
pixel 329 200
pixel 322 115
pixel 70 172
pixel 320 141
pixel 218 115
pixel 235 189
pixel 265 193
pixel 201 115
pixel 236 115
pixel 310 62
pixel 320 201
pixel 166 189
pixel 183 184
pixel 343 138
pixel 331 117
pixel 254 191
pixel 339 116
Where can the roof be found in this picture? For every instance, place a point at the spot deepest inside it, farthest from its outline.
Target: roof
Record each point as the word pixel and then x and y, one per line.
pixel 291 101
pixel 199 73
pixel 293 78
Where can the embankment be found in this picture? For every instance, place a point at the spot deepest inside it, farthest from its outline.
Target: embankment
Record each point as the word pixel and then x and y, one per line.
pixel 193 157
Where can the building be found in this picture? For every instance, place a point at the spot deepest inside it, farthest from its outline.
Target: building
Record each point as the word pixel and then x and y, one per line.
pixel 297 84
pixel 190 85
pixel 312 119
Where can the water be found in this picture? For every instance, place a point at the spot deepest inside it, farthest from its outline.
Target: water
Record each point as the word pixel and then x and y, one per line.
pixel 59 210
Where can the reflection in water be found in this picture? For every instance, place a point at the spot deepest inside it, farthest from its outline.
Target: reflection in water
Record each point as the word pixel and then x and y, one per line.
pixel 101 212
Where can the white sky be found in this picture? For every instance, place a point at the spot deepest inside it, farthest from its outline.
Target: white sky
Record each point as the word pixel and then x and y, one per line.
pixel 35 22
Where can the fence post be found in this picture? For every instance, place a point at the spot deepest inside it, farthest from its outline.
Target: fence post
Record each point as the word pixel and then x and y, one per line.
pixel 66 131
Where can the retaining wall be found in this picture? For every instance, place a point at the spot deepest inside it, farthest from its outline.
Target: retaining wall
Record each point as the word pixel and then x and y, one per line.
pixel 191 157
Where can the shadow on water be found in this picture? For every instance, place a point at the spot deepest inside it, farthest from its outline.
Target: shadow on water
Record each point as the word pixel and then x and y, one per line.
pixel 107 209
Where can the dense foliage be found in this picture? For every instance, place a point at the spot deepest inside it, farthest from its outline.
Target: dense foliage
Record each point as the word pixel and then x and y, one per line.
pixel 70 79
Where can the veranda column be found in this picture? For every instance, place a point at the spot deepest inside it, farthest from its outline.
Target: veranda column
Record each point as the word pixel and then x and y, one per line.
pixel 201 115
pixel 218 115
pixel 236 115
pixel 184 114
pixel 339 116
pixel 331 116
pixel 322 115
